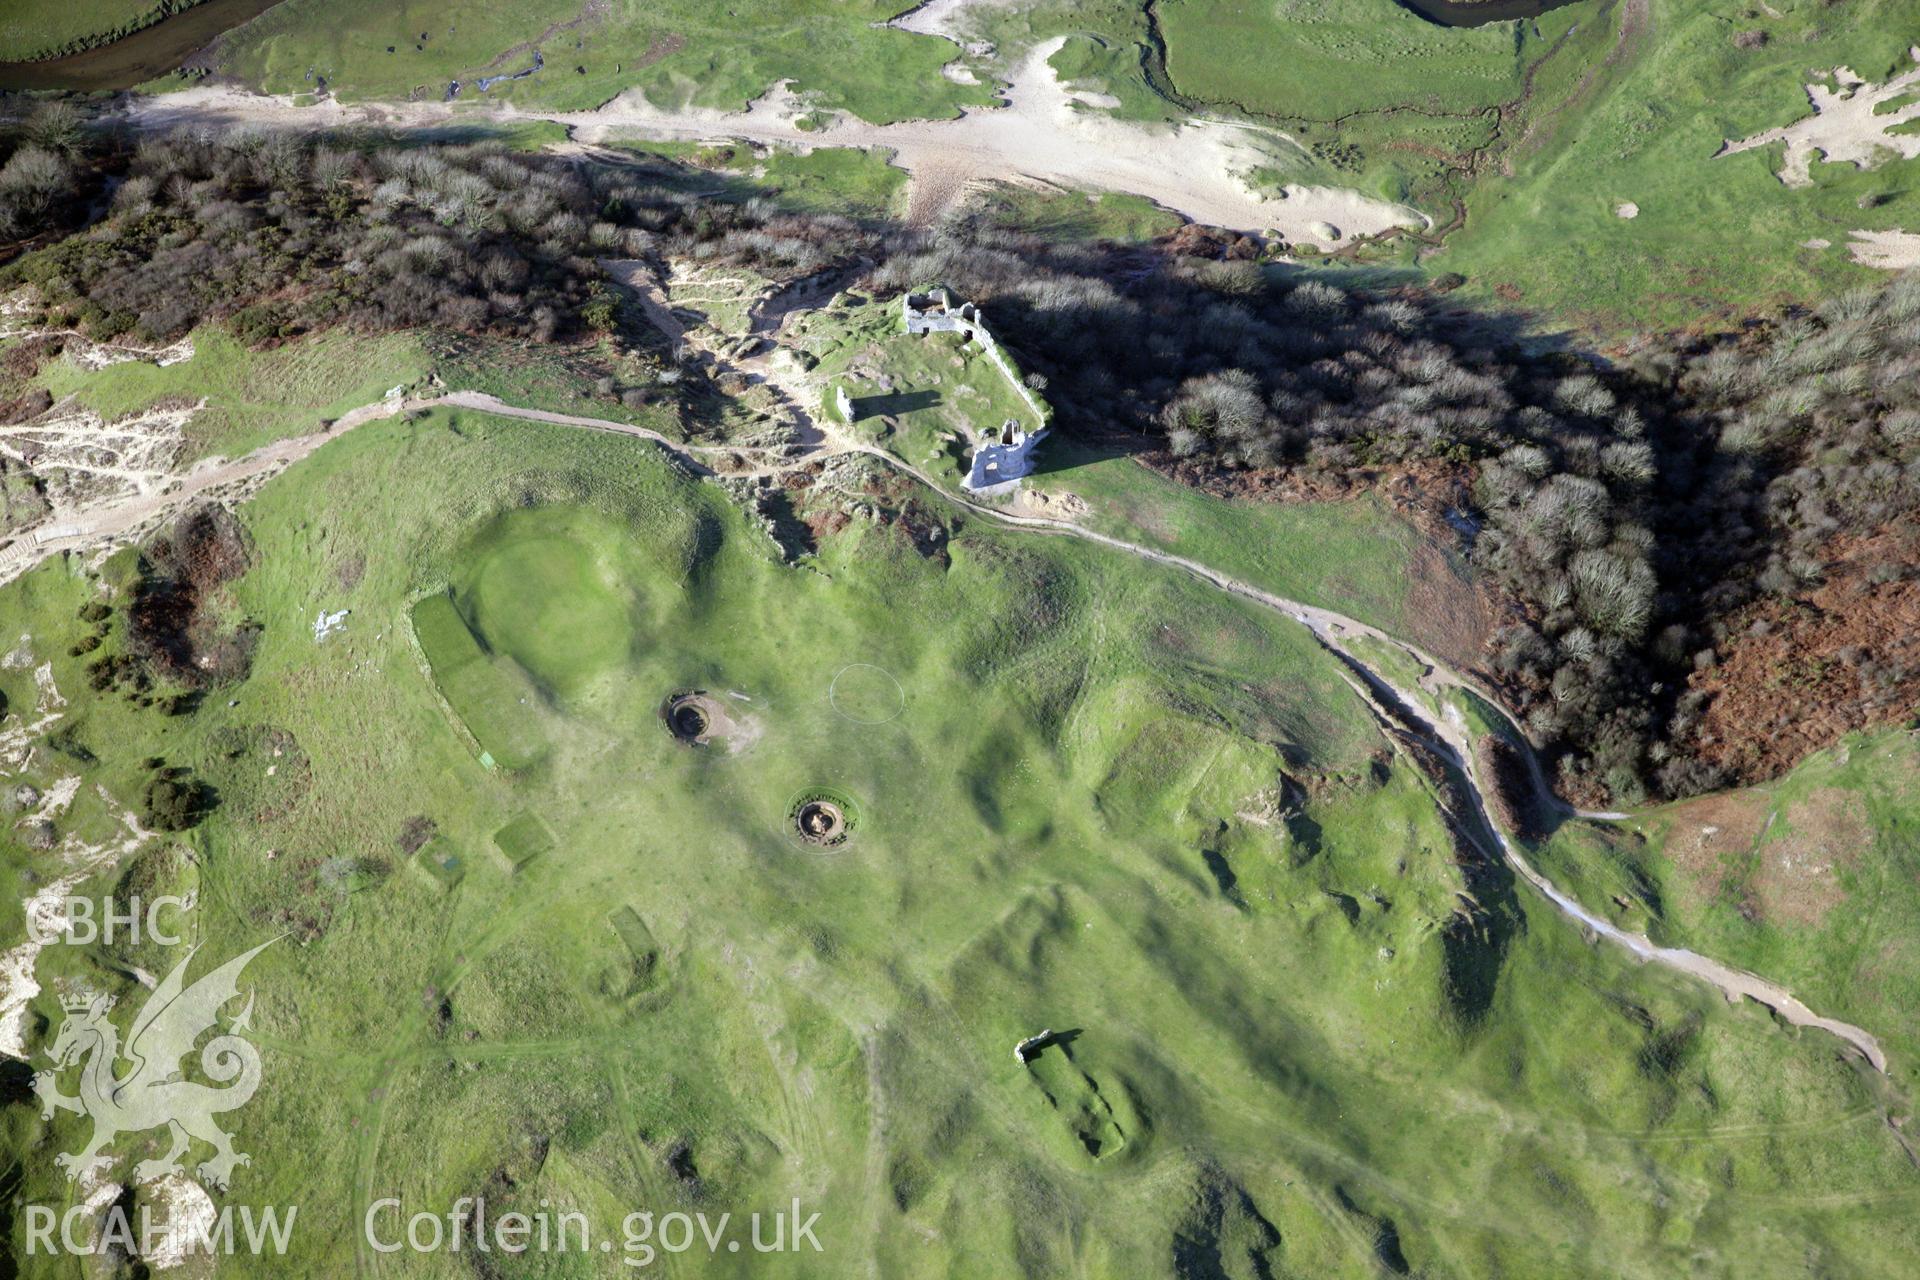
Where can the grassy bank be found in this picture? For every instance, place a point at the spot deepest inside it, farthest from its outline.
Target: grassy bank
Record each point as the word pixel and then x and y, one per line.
pixel 33 29
pixel 1810 880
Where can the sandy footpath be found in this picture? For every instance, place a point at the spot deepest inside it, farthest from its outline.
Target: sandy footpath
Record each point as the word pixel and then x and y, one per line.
pixel 1045 131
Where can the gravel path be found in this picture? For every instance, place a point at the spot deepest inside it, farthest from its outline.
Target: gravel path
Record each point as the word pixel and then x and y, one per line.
pixel 1332 630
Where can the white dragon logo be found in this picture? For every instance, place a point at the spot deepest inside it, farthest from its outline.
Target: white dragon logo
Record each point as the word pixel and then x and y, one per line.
pixel 153 1093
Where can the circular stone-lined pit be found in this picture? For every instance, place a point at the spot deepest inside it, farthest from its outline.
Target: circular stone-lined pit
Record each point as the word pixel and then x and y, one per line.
pixel 821 822
pixel 822 819
pixel 696 719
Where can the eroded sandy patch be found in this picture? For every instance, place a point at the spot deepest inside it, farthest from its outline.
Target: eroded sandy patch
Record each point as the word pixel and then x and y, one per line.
pixel 94 356
pixel 1062 505
pixel 183 1214
pixel 84 460
pixel 1798 877
pixel 1894 250
pixel 1712 839
pixel 1847 125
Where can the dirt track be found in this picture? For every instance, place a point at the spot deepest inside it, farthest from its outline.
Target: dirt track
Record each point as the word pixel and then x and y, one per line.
pixel 1045 131
pixel 1332 630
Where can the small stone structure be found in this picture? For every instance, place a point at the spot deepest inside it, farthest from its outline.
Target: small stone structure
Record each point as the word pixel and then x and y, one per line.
pixel 1029 1049
pixel 935 311
pixel 1001 459
pixel 820 822
pixel 696 719
pixel 1004 456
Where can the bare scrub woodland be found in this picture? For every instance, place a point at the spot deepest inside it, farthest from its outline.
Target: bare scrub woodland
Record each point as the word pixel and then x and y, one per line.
pixel 1654 521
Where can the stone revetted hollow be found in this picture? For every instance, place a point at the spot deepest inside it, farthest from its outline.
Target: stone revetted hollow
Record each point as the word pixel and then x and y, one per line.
pixel 820 822
pixel 694 718
pixel 689 721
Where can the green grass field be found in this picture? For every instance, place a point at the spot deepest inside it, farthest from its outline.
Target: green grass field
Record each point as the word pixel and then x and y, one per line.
pixel 531 947
pixel 522 840
pixel 1277 1056
pixel 1354 557
pixel 1714 238
pixel 39 28
pixel 492 697
pixel 543 594
pixel 1320 60
pixel 252 396
pixel 441 861
pixel 679 52
pixel 1075 215
pixel 837 180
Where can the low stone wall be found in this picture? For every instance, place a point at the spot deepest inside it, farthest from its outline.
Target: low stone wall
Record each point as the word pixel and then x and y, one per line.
pixel 1041 411
pixel 919 319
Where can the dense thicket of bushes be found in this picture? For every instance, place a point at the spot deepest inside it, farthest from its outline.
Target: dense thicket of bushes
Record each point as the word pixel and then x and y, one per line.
pixel 42 177
pixel 281 234
pixel 1763 448
pixel 1630 511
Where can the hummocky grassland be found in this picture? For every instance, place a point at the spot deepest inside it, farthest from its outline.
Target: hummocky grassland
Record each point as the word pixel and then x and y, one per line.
pixel 1304 1032
pixel 1713 236
pixel 1808 877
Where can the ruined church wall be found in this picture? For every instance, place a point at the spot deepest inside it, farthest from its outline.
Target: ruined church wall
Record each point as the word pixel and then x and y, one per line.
pixel 918 321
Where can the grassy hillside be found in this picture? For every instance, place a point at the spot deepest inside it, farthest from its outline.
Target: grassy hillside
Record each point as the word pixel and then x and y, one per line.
pixel 837 180
pixel 252 396
pixel 1810 879
pixel 1320 61
pixel 1105 801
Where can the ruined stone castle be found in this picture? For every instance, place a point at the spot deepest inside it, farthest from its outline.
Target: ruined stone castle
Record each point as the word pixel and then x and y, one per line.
pixel 1002 456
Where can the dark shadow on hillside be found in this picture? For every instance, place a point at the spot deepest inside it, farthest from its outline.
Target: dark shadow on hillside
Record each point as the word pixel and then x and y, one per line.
pixel 1386 1235
pixel 1478 13
pixel 1224 1235
pixel 16 1081
pixel 1303 836
pixel 893 403
pixel 1070 450
pixel 1061 1040
pixel 1224 878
